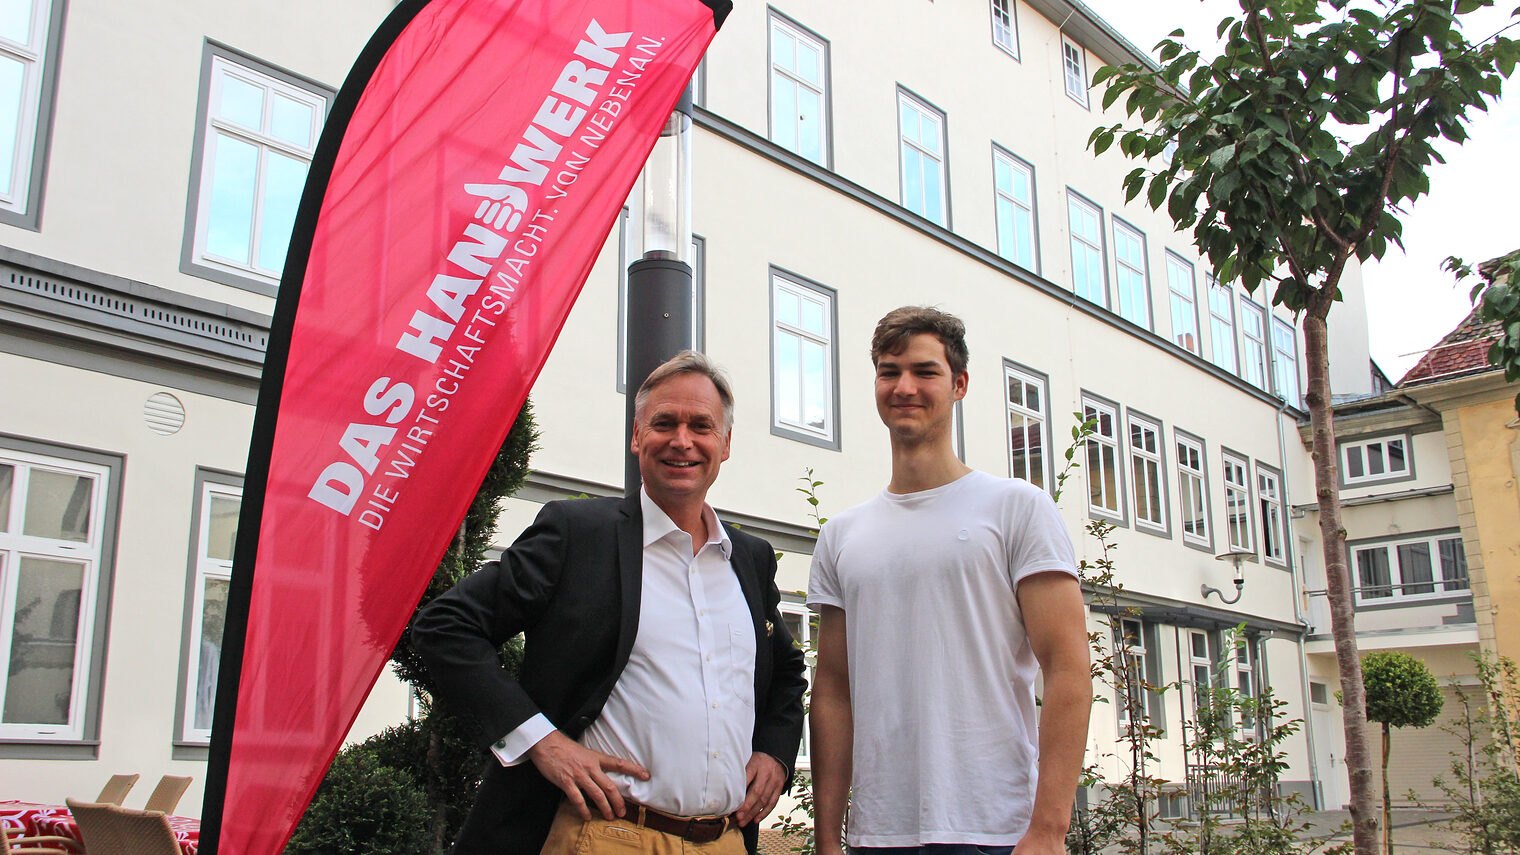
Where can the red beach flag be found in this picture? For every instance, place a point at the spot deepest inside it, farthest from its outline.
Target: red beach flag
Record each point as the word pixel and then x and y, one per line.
pixel 468 175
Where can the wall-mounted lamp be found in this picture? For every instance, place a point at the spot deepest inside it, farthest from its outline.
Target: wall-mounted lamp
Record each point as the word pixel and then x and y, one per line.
pixel 1237 557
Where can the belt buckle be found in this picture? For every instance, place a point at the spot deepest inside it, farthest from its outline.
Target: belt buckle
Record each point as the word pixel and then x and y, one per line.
pixel 705 830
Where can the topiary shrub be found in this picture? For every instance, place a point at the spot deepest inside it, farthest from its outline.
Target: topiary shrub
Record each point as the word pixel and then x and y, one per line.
pixel 364 807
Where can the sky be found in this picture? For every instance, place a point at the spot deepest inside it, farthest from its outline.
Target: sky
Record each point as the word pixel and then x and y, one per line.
pixel 1469 212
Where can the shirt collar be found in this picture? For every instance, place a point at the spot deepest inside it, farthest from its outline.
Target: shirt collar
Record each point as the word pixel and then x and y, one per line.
pixel 658 525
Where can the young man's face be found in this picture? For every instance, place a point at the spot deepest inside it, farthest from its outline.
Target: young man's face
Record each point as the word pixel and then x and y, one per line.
pixel 915 390
pixel 680 439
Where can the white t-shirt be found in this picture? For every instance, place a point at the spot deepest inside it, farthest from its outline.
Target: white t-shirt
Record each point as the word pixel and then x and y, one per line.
pixel 941 672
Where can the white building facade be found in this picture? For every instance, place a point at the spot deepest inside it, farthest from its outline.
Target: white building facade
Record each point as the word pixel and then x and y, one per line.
pixel 841 169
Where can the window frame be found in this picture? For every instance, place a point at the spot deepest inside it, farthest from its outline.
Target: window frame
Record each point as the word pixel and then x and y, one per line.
pixel 1015 163
pixel 193 259
pixel 1278 501
pixel 907 97
pixel 1221 327
pixel 78 738
pixel 1029 376
pixel 1443 588
pixel 829 437
pixel 1077 200
pixel 1144 272
pixel 776 19
pixel 1069 47
pixel 1139 455
pixel 1010 9
pixel 1228 457
pixel 1285 364
pixel 1176 263
pixel 189 742
pixel 1249 308
pixel 34 121
pixel 1098 404
pixel 1201 475
pixel 1343 459
pixel 809 622
pixel 1147 636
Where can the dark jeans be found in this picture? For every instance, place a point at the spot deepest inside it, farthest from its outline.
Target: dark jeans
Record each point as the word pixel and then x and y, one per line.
pixel 934 849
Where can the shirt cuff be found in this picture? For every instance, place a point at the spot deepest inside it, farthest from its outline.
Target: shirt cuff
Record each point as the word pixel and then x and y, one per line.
pixel 512 749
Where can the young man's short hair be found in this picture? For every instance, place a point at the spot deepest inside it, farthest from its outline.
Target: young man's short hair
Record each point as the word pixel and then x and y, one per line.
pixel 899 325
pixel 688 362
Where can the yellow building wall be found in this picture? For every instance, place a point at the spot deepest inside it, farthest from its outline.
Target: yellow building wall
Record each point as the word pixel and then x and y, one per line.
pixel 1489 434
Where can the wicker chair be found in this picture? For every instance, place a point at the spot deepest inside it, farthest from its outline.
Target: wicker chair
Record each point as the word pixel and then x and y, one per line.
pixel 116 789
pixel 115 830
pixel 168 792
pixel 15 842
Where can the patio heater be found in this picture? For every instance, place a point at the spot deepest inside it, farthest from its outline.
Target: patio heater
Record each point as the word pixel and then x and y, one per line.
pixel 659 303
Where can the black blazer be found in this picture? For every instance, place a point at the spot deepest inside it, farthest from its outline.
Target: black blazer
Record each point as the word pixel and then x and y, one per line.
pixel 571 583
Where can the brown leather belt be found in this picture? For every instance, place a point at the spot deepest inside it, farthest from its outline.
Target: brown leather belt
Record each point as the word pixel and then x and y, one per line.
pixel 693 830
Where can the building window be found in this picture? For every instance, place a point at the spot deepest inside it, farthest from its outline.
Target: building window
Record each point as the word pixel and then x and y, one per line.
pixel 1221 323
pixel 1193 491
pixel 921 143
pixel 29 35
pixel 803 626
pixel 1370 461
pixel 1202 653
pixel 1413 568
pixel 803 367
pixel 1138 650
pixel 1129 643
pixel 1089 278
pixel 1132 282
pixel 1146 478
pixel 1253 344
pixel 1027 418
pixel 54 531
pixel 1179 280
pixel 1269 503
pixel 799 90
pixel 1245 683
pixel 214 536
pixel 1237 503
pixel 1013 195
pixel 1103 481
pixel 1005 27
pixel 257 131
pixel 1285 362
pixel 1074 66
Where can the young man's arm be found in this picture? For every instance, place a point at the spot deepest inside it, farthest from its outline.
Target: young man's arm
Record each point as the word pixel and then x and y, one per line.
pixel 832 725
pixel 1056 623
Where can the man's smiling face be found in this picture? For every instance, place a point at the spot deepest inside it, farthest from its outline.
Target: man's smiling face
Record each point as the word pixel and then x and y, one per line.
pixel 681 440
pixel 916 391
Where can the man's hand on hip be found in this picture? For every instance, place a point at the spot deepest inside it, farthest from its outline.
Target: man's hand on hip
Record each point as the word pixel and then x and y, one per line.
pixel 582 774
pixel 764 777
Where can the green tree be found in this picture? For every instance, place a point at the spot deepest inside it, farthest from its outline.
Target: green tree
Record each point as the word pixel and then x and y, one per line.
pixel 1295 150
pixel 1401 692
pixel 431 757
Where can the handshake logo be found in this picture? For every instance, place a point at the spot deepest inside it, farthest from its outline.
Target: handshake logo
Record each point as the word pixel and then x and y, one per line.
pixel 501 205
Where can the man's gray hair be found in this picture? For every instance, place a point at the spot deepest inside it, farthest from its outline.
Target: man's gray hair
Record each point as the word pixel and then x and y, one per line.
pixel 688 362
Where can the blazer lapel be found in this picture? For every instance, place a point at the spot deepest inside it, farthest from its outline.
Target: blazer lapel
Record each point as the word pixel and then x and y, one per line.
pixel 749 583
pixel 630 564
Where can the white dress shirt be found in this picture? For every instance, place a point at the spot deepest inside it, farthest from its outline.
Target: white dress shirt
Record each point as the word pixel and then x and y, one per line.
pixel 684 706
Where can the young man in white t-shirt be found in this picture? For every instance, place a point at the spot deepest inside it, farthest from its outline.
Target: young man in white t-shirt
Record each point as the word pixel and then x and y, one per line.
pixel 939 600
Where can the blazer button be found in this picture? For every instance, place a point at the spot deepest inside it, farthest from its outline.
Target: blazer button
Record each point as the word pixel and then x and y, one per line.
pixel 582 722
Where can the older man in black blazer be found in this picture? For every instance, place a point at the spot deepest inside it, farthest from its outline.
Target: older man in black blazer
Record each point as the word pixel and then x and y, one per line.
pixel 660 702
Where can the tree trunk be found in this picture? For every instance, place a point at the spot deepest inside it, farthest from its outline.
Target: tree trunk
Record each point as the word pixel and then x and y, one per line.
pixel 1387 800
pixel 1364 822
